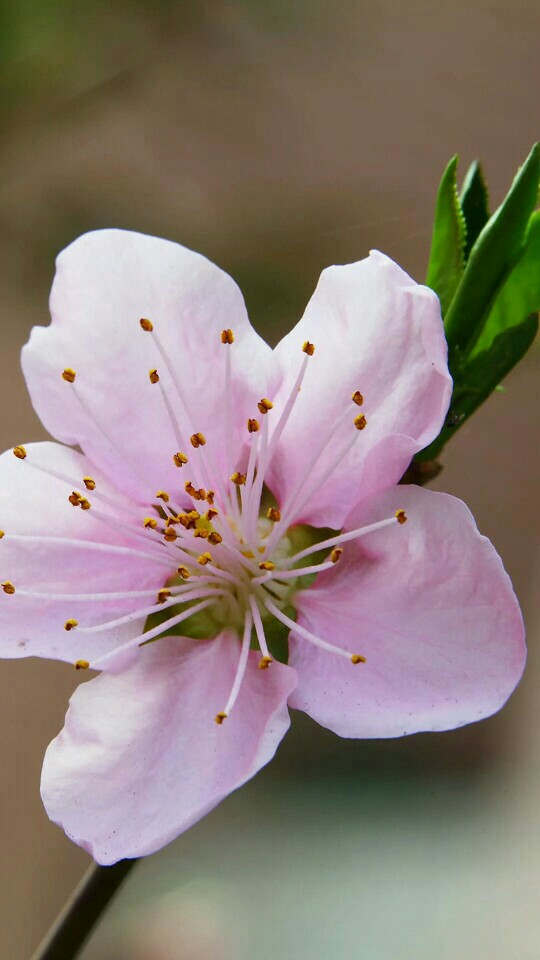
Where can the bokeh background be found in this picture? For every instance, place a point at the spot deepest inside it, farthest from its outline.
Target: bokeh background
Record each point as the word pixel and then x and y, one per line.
pixel 277 138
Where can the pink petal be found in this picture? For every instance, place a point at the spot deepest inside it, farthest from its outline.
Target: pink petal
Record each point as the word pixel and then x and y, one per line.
pixel 378 332
pixel 141 758
pixel 33 504
pixel 105 282
pixel 430 606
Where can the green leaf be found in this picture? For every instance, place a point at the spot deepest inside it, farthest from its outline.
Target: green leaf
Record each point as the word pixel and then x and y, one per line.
pixel 474 200
pixel 520 294
pixel 446 260
pixel 481 376
pixel 494 254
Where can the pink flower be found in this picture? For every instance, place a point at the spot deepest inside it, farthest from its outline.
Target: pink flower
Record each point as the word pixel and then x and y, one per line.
pixel 202 487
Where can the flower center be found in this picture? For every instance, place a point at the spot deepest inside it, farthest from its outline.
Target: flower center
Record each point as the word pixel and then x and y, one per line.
pixel 232 558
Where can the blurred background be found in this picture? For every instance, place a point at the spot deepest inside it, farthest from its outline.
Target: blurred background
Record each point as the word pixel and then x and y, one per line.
pixel 277 138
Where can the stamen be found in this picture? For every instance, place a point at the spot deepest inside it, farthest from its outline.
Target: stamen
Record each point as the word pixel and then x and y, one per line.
pixel 146 325
pixel 307 635
pixel 197 439
pixel 163 495
pixel 81 664
pixel 150 635
pixel 180 459
pixel 204 559
pixel 265 405
pixel 268 449
pixel 273 514
pixel 19 452
pixel 240 671
pixel 401 516
pixel 91 545
pixel 266 565
pixel 71 624
pixel 184 572
pixel 357 398
pixel 153 375
pixel 360 422
pixel 238 478
pixel 253 425
pixel 336 554
pixel 227 336
pixel 186 597
pixel 150 522
pixel 89 483
pixel 69 375
pixel 8 587
pixel 259 630
pixel 292 574
pixel 341 538
pixel 308 348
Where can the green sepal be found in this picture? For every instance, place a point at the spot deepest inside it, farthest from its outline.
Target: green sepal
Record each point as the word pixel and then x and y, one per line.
pixel 520 294
pixel 492 257
pixel 481 376
pixel 446 258
pixel 474 199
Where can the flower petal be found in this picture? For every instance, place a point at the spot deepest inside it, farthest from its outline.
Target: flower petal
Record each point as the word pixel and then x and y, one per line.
pixel 430 606
pixel 51 547
pixel 141 759
pixel 105 283
pixel 376 331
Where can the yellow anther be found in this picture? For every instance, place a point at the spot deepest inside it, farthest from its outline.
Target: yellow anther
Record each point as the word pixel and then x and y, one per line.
pixel 8 587
pixel 163 594
pixel 335 555
pixel 204 559
pixel 163 495
pixel 401 516
pixel 150 522
pixel 20 453
pixel 146 324
pixel 170 535
pixel 211 513
pixel 89 483
pixel 188 520
pixel 154 376
pixel 360 421
pixel 2 534
pixel 75 498
pixel 171 521
pixel 81 664
pixel 248 554
pixel 210 496
pixel 238 478
pixel 197 439
pixel 267 565
pixel 71 624
pixel 358 658
pixel 252 425
pixel 308 348
pixel 202 533
pixel 184 573
pixel 85 504
pixel 227 336
pixel 180 459
pixel 220 717
pixel 264 663
pixel 273 514
pixel 357 398
pixel 69 375
pixel 264 405
pixel 214 537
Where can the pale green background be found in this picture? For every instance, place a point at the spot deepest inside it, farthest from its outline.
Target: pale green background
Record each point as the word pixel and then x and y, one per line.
pixel 278 138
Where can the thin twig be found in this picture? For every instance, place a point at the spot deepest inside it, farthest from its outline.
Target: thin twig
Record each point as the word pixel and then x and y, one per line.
pixel 82 911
